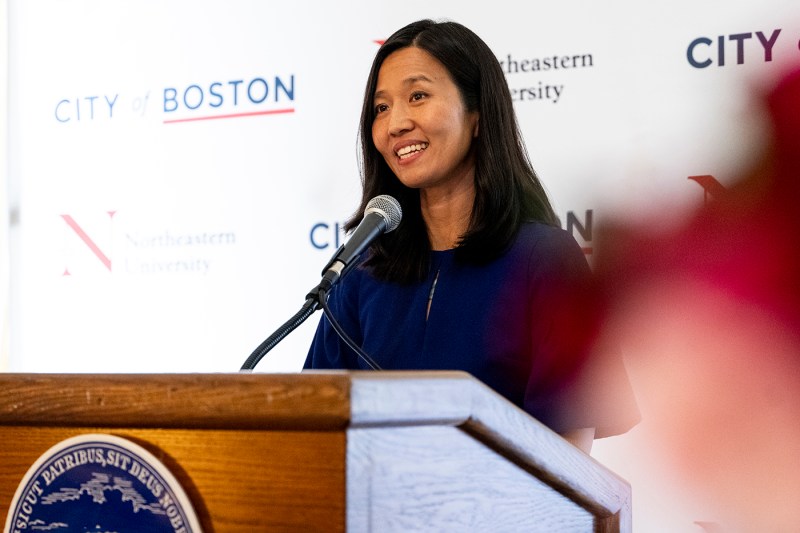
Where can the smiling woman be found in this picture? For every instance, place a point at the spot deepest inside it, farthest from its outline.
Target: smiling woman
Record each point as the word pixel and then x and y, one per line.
pixel 421 111
pixel 424 132
pixel 478 276
pixel 507 190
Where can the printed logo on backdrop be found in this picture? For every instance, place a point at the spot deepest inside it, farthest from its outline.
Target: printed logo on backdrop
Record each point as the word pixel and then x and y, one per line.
pixel 93 245
pixel 581 228
pixel 530 79
pixel 100 483
pixel 527 67
pixel 218 100
pixel 96 242
pixel 712 189
pixel 326 235
pixel 330 235
pixel 198 100
pixel 735 48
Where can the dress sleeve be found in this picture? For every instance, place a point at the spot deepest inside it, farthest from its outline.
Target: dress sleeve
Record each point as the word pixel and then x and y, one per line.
pixel 569 387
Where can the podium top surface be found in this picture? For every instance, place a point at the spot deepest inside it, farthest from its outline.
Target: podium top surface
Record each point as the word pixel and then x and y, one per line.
pixel 197 401
pixel 313 400
pixel 310 401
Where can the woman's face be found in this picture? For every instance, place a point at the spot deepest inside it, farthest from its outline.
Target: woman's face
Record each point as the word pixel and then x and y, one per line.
pixel 421 127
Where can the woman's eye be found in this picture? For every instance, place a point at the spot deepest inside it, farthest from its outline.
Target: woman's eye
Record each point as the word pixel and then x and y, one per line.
pixel 380 108
pixel 417 96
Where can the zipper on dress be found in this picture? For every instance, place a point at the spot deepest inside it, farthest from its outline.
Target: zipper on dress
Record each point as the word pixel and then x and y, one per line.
pixel 430 294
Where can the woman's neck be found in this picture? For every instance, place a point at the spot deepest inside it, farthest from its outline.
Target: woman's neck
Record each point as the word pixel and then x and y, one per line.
pixel 447 214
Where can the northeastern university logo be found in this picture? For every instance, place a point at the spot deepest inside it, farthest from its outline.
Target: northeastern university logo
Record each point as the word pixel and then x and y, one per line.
pixel 103 484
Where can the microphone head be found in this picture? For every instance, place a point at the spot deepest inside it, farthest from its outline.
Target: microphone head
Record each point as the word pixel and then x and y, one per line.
pixel 387 207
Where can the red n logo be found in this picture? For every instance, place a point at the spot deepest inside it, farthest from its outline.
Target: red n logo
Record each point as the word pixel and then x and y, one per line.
pixel 93 247
pixel 711 187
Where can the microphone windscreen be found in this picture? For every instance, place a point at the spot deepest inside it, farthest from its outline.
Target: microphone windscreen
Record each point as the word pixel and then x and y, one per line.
pixel 388 208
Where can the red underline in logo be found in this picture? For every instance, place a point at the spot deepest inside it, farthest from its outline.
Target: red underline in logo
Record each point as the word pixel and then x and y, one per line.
pixel 234 115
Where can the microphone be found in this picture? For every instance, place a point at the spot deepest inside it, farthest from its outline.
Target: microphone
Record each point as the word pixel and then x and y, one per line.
pixel 382 215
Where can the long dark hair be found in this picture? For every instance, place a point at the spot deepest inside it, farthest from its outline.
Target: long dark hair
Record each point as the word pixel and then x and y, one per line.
pixel 507 190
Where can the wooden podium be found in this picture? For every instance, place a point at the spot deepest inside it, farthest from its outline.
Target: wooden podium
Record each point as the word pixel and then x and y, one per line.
pixel 326 451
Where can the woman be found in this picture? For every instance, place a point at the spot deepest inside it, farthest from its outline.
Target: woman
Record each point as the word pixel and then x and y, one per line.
pixel 478 276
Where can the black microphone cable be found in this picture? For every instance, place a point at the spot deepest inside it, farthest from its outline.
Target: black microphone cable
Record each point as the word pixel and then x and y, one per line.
pixel 323 298
pixel 315 299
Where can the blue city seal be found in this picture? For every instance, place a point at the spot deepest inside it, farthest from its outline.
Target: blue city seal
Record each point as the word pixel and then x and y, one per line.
pixel 102 484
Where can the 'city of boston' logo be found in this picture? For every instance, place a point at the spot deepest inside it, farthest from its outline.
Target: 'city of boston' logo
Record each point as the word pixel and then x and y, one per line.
pixel 103 484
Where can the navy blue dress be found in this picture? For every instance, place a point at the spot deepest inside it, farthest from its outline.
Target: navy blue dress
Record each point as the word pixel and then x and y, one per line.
pixel 522 324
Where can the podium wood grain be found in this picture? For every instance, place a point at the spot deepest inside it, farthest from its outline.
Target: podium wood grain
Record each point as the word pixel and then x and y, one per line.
pixel 253 454
pixel 326 451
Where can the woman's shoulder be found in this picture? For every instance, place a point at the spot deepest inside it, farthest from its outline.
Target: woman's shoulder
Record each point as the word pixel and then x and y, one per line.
pixel 545 237
pixel 550 249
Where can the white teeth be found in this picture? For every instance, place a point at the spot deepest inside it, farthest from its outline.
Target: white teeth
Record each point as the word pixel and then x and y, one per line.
pixel 408 150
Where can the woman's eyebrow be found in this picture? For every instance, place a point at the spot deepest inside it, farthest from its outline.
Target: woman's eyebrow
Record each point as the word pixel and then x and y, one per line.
pixel 411 80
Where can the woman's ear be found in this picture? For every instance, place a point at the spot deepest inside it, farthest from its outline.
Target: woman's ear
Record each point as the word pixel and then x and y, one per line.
pixel 475 129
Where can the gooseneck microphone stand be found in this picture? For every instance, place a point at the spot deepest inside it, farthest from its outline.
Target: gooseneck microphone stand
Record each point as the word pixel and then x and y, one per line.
pixel 315 299
pixel 311 305
pixel 382 215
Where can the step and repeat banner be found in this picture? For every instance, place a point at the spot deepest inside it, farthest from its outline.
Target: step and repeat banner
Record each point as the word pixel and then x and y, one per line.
pixel 178 172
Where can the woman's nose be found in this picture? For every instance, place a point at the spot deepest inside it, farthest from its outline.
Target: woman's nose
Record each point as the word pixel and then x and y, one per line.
pixel 400 121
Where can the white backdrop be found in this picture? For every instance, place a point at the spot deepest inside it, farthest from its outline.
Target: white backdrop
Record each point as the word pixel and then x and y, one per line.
pixel 145 242
pixel 178 170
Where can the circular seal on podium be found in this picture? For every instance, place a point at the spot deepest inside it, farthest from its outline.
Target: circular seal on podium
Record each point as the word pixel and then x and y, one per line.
pixel 103 484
